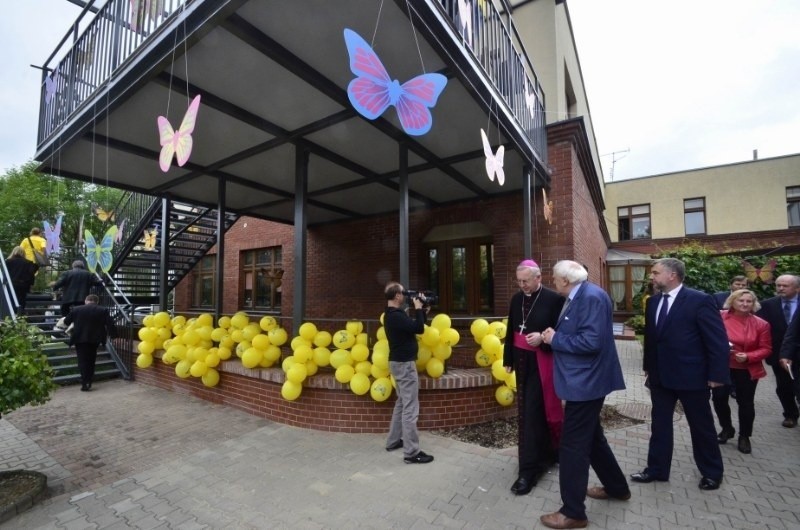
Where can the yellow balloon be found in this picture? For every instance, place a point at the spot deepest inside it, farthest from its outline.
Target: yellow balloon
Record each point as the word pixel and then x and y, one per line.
pixel 308 331
pixel 146 347
pixel 164 333
pixel 190 337
pixel 227 342
pixel 483 359
pixel 198 369
pixel 343 339
pixel 511 381
pixel 381 347
pixel 298 341
pixel 441 322
pixel 251 357
pixel 478 328
pixel 341 358
pixel 290 391
pixel 504 395
pixel 498 328
pixel 364 367
pixel 148 335
pixel 322 356
pixel 322 339
pixel 211 378
pixel 278 336
pixel 250 331
pixel 148 321
pixel 182 369
pixel 224 322
pixel 449 336
pixel 224 353
pixel 491 344
pixel 206 319
pixel 359 352
pixel 178 320
pixel 424 355
pixel 287 363
pixel 380 359
pixel 442 352
pixel 178 350
pixel 297 373
pixel 303 353
pixel 239 320
pixel 435 367
pixel 381 389
pixel 359 384
pixel 144 360
pixel 242 347
pixel 377 372
pixel 268 323
pixel 354 327
pixel 345 373
pixel 499 371
pixel 161 319
pixel 212 360
pixel 362 338
pixel 430 336
pixel 272 353
pixel 311 368
pixel 261 342
pixel 381 333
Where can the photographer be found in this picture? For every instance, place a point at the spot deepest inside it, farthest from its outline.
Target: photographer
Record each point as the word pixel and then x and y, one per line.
pixel 401 331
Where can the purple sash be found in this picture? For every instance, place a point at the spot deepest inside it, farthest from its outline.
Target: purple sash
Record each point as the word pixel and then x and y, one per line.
pixel 552 404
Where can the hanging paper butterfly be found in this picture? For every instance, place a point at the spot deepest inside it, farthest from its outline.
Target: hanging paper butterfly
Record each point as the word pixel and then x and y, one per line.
pixel 547 208
pixel 465 16
pixel 494 161
pixel 150 238
pixel 178 143
pixel 765 273
pixel 100 254
pixel 53 235
pixel 142 8
pixel 373 91
pixel 51 85
pixel 120 228
pixel 104 215
pixel 530 101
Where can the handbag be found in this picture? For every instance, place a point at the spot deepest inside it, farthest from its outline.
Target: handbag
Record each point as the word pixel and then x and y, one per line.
pixel 39 257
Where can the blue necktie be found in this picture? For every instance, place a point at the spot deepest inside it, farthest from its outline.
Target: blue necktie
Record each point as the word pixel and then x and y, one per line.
pixel 662 313
pixel 787 311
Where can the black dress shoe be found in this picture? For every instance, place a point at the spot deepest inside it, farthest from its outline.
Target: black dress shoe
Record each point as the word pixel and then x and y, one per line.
pixel 709 484
pixel 397 445
pixel 85 388
pixel 645 477
pixel 744 445
pixel 523 486
pixel 725 434
pixel 419 458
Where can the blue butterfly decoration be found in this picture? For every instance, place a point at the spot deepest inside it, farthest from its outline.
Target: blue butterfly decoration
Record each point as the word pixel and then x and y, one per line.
pixel 100 254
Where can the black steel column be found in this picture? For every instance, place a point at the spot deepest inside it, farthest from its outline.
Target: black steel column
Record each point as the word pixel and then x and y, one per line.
pixel 526 212
pixel 219 268
pixel 403 213
pixel 300 248
pixel 163 265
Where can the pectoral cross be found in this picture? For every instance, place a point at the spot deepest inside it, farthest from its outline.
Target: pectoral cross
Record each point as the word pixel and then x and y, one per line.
pixel 521 328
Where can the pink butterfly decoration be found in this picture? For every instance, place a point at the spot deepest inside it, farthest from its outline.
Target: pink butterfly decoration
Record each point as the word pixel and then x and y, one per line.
pixel 178 143
pixel 53 235
pixel 373 91
pixel 120 228
pixel 51 85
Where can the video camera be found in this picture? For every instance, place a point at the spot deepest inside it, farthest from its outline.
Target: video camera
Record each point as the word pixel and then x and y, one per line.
pixel 430 297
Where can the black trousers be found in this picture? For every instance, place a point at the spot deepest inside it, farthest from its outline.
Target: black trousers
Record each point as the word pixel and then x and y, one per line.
pixel 785 390
pixel 87 355
pixel 745 398
pixel 583 444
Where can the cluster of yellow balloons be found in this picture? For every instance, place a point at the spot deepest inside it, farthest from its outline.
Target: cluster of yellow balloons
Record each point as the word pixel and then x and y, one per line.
pixel 190 344
pixel 490 338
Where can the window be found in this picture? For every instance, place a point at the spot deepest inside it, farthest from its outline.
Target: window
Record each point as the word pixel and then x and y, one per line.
pixel 628 283
pixel 793 205
pixel 261 274
pixel 634 222
pixel 694 216
pixel 203 274
pixel 461 272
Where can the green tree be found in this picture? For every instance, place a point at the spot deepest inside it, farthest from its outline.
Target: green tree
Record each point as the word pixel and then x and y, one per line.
pixel 26 195
pixel 25 375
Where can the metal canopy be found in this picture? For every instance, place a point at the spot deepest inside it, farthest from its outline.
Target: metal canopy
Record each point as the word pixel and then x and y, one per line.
pixel 273 76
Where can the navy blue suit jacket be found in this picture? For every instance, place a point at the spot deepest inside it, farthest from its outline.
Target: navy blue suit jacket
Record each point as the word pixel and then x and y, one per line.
pixel 772 311
pixel 586 360
pixel 692 347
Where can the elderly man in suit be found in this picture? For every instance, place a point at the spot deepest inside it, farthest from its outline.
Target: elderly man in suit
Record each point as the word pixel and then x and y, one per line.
pixel 586 370
pixel 685 354
pixel 778 311
pixel 790 352
pixel 92 325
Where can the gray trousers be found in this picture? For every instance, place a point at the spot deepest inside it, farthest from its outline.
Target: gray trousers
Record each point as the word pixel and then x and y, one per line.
pixel 406 408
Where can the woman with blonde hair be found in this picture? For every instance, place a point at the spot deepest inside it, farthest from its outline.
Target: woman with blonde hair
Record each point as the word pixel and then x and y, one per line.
pixel 751 343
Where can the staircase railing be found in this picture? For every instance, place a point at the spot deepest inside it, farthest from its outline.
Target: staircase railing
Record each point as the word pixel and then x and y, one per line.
pixel 8 297
pixel 121 310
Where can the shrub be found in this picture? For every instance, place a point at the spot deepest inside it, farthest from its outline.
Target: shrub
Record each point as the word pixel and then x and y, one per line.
pixel 636 324
pixel 25 375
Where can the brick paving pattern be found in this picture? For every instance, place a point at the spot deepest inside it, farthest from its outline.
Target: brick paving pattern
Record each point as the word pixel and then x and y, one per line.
pixel 131 456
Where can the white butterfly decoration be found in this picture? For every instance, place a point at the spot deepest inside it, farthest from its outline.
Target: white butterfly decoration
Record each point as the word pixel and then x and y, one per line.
pixel 530 100
pixel 494 161
pixel 465 16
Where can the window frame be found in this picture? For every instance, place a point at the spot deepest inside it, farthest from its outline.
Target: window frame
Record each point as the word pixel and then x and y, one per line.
pixel 270 271
pixel 793 206
pixel 694 210
pixel 626 221
pixel 205 269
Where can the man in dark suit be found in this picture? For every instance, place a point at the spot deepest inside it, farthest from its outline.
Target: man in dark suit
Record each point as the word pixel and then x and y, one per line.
pixel 790 353
pixel 685 352
pixel 737 282
pixel 92 326
pixel 586 370
pixel 76 283
pixel 778 311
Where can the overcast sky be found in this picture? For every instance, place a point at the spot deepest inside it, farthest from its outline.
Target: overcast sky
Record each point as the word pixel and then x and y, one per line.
pixel 683 84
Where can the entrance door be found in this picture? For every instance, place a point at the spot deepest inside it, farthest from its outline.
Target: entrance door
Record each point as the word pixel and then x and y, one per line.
pixel 461 272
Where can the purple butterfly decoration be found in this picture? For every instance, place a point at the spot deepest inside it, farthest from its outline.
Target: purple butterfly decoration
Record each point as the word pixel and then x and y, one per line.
pixel 53 236
pixel 51 85
pixel 373 91
pixel 118 236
